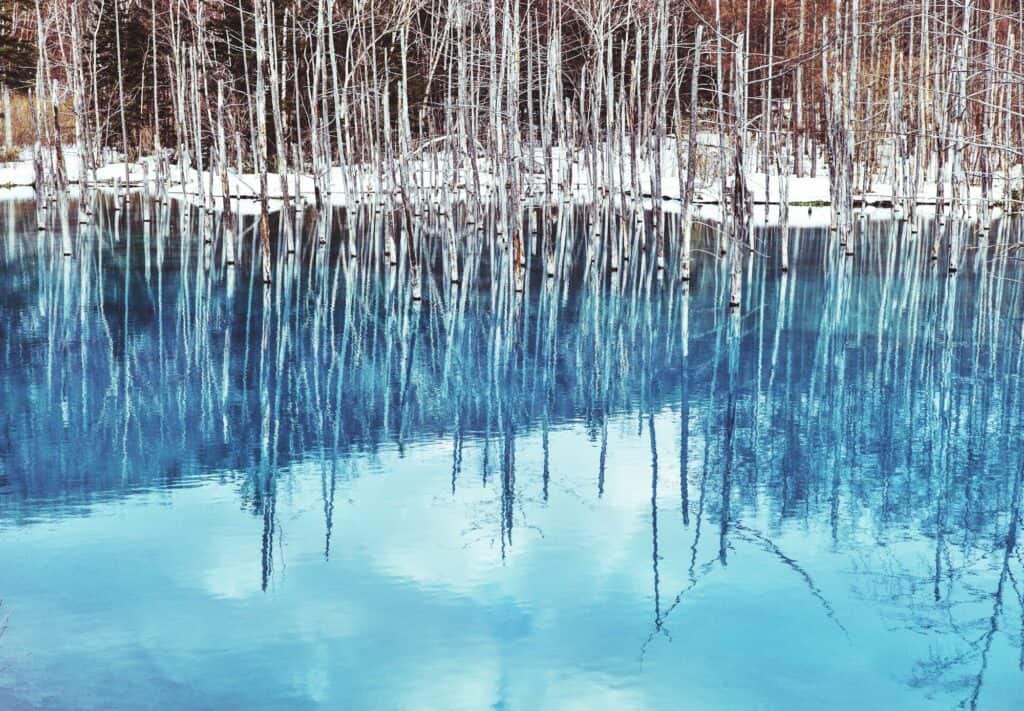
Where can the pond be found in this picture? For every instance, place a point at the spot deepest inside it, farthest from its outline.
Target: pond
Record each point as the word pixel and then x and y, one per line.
pixel 607 491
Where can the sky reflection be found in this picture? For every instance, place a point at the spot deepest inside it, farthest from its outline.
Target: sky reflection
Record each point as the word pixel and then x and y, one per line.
pixel 609 492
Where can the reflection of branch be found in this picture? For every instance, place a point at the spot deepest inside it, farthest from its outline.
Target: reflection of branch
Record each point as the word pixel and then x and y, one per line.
pixel 997 606
pixel 925 618
pixel 660 626
pixel 993 627
pixel 771 547
pixel 327 494
pixel 1020 601
pixel 3 626
pixel 654 521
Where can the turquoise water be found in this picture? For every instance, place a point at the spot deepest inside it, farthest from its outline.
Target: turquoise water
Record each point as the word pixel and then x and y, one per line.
pixel 606 492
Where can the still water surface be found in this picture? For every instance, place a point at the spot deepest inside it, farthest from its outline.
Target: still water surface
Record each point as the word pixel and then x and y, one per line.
pixel 607 493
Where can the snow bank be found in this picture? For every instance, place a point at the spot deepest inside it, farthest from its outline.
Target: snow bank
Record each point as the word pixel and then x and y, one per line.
pixel 16 174
pixel 450 175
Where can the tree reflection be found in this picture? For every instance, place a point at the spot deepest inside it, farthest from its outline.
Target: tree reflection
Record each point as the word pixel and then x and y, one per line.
pixel 870 397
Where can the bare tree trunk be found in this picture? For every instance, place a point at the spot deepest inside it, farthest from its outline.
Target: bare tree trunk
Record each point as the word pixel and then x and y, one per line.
pixel 691 155
pixel 261 138
pixel 225 187
pixel 120 96
pixel 8 121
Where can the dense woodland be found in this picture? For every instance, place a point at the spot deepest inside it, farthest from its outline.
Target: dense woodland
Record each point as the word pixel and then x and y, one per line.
pixel 528 96
pixel 338 81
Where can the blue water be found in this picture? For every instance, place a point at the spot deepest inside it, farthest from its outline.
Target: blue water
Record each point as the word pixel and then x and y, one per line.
pixel 608 492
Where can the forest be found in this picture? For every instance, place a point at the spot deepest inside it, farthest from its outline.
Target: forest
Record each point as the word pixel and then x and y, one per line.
pixel 314 84
pixel 844 103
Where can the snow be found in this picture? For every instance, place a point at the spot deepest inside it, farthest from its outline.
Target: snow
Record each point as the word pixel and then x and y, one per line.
pixel 16 174
pixel 116 172
pixel 801 189
pixel 444 171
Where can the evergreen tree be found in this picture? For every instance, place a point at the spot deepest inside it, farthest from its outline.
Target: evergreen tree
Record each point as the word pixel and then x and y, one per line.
pixel 17 45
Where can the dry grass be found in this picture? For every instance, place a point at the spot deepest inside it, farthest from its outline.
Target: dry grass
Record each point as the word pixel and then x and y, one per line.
pixel 22 133
pixel 21 120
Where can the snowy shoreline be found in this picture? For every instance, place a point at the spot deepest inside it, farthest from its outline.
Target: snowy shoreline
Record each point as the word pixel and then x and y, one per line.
pixel 440 175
